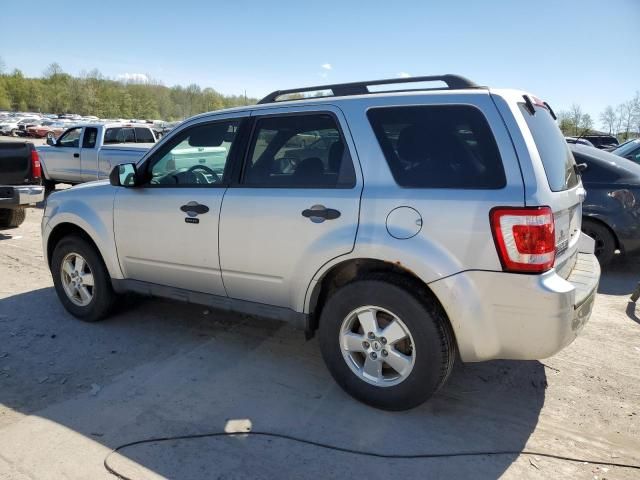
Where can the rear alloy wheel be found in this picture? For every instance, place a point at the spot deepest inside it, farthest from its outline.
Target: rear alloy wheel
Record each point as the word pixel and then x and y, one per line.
pixel 384 345
pixel 605 243
pixel 81 280
pixel 377 346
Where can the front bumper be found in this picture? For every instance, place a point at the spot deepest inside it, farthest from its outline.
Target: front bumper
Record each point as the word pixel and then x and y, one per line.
pixel 497 315
pixel 16 196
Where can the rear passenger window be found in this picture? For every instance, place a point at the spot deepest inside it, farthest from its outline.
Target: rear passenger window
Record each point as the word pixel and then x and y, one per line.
pixel 144 135
pixel 298 151
pixel 89 138
pixel 438 146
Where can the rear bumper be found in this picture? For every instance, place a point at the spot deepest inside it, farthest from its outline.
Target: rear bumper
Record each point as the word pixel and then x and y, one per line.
pixel 14 196
pixel 497 315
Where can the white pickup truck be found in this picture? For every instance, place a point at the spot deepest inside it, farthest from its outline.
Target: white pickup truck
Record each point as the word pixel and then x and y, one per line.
pixel 89 152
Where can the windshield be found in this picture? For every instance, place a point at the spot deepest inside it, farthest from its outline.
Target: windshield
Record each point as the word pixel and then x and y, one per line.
pixel 627 148
pixel 556 157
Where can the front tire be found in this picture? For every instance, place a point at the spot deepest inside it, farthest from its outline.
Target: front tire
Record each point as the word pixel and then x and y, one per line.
pixel 81 279
pixel 384 345
pixel 12 217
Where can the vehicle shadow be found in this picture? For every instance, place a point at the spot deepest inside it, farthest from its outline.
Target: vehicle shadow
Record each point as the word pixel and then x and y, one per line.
pixel 159 368
pixel 621 277
pixel 631 312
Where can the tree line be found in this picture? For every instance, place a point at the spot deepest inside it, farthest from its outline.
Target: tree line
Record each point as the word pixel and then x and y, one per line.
pixel 91 93
pixel 622 121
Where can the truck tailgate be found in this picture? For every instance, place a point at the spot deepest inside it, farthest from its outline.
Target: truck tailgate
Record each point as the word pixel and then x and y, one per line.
pixel 15 163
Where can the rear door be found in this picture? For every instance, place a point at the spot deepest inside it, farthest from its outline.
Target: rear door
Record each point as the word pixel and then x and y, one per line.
pixel 293 207
pixel 565 192
pixel 89 155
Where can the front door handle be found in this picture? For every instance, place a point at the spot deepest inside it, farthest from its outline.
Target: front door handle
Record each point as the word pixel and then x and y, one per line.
pixel 76 155
pixel 320 213
pixel 194 208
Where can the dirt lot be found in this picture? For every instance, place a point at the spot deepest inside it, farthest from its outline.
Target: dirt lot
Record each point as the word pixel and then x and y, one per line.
pixel 71 391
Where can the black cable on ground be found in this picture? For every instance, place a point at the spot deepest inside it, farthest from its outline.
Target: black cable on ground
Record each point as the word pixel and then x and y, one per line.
pixel 352 451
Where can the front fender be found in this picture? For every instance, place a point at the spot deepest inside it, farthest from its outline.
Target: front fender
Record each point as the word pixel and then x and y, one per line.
pixel 95 219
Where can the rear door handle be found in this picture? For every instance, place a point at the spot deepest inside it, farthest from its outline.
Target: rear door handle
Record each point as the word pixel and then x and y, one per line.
pixel 194 208
pixel 320 213
pixel 76 155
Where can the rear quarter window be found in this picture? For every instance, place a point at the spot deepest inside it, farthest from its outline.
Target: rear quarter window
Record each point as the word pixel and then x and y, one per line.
pixel 438 146
pixel 554 151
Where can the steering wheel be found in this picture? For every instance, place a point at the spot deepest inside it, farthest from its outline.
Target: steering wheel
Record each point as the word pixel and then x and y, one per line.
pixel 207 170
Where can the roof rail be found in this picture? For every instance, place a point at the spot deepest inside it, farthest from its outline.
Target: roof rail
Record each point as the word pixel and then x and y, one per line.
pixel 454 82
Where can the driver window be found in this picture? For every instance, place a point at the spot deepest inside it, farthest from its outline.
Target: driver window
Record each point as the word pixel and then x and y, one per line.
pixel 71 138
pixel 196 157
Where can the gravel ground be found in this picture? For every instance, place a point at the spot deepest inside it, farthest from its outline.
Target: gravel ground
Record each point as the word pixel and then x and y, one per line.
pixel 71 391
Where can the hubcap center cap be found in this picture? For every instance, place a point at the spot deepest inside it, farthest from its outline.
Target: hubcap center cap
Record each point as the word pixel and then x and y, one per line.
pixel 376 346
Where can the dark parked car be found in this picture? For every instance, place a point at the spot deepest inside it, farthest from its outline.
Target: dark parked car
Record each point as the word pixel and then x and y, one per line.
pixel 611 211
pixel 20 182
pixel 601 141
pixel 629 150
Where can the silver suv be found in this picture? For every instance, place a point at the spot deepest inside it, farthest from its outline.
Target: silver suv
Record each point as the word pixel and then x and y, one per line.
pixel 405 227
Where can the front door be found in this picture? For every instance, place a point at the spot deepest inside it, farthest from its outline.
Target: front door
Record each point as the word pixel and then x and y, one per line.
pixel 294 207
pixel 166 229
pixel 63 159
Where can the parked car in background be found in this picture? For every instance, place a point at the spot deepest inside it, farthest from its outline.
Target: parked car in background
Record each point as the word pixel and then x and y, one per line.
pixel 333 239
pixel 579 141
pixel 23 125
pixel 51 129
pixel 601 141
pixel 629 150
pixel 611 210
pixel 11 125
pixel 20 181
pixel 89 152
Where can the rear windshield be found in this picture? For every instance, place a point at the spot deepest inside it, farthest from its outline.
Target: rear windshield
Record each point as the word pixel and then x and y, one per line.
pixel 438 146
pixel 144 135
pixel 556 157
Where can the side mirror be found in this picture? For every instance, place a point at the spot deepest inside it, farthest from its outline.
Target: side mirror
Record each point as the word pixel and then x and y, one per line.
pixel 51 141
pixel 124 175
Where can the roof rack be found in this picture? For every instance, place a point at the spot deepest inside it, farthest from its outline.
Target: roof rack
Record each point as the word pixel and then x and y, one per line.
pixel 454 82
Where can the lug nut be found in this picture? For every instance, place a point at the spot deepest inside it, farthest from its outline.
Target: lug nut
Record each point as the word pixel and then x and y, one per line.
pixel 384 353
pixel 374 355
pixel 365 344
pixel 383 340
pixel 371 335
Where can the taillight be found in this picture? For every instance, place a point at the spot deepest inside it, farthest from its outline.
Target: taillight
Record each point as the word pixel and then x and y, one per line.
pixel 36 169
pixel 525 238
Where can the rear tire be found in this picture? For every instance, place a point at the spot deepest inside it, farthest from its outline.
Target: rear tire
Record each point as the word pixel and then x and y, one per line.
pixel 101 295
pixel 428 344
pixel 605 243
pixel 12 217
pixel 49 187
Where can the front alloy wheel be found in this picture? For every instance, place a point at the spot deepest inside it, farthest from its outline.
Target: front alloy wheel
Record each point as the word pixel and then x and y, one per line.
pixel 77 279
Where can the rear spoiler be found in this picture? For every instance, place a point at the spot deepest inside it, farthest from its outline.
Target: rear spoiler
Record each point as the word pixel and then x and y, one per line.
pixel 531 104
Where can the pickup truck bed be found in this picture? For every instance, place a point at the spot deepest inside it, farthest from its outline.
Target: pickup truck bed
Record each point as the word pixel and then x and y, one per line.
pixel 20 181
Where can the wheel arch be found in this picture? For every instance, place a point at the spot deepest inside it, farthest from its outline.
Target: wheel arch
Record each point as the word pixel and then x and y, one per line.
pixel 351 269
pixel 600 221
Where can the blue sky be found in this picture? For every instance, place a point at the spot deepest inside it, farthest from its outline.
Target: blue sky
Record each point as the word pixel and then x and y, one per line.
pixel 565 51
